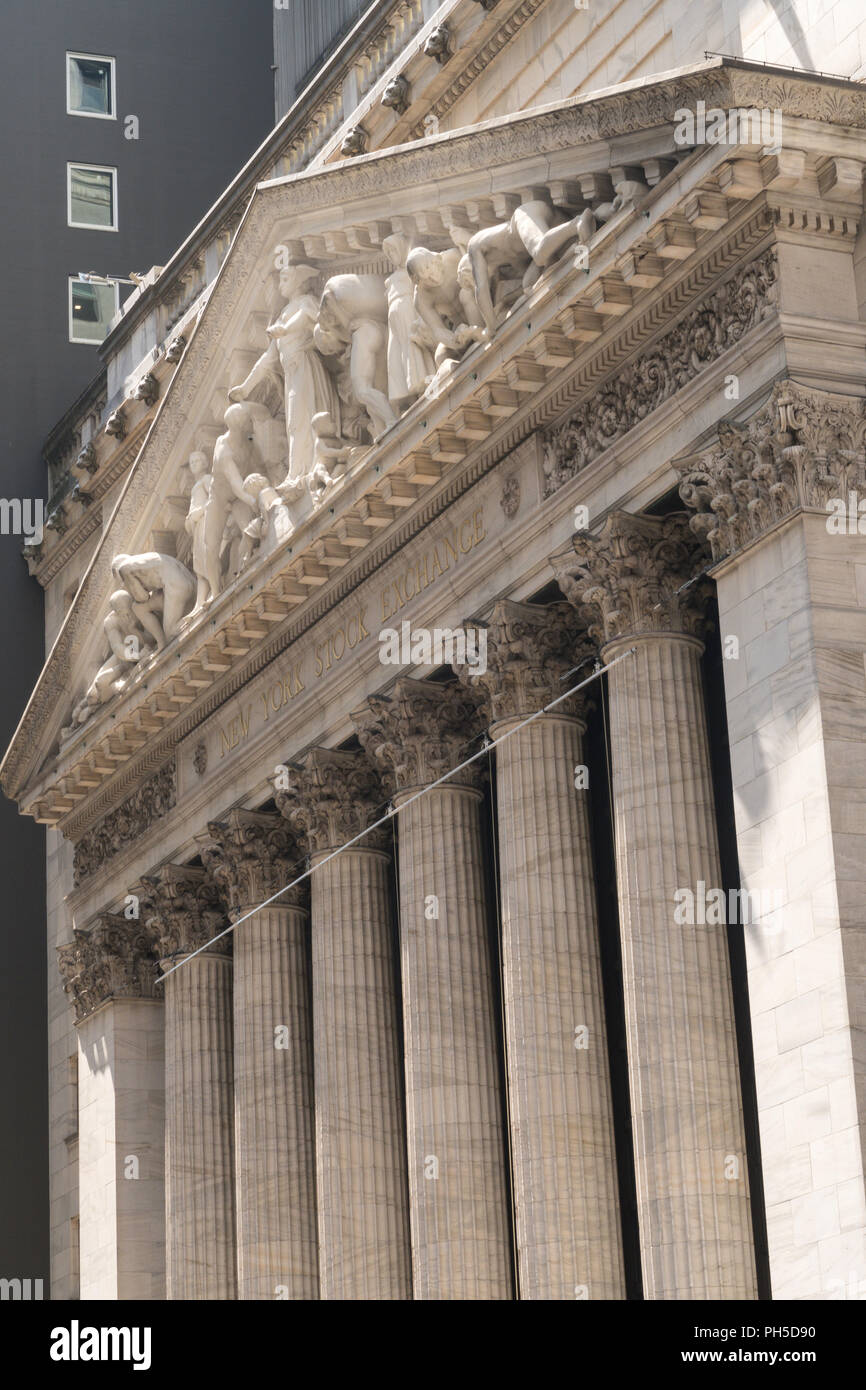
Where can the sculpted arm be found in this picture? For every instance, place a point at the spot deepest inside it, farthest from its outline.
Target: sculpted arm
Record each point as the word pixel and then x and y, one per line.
pixel 267 369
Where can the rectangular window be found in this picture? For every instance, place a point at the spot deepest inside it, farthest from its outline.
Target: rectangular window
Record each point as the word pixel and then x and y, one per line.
pixel 92 196
pixel 91 309
pixel 90 86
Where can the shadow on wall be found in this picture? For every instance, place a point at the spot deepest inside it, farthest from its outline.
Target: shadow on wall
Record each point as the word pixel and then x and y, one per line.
pixel 784 10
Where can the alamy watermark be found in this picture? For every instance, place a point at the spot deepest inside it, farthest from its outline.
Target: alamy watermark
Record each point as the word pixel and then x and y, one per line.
pixel 434 646
pixel 23 517
pixel 714 907
pixel 750 125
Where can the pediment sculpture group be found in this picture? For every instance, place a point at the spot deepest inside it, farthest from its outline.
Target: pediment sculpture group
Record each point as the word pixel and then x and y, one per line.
pixel 346 356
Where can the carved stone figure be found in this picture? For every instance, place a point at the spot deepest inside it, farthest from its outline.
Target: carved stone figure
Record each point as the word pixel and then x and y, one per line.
pixel 410 363
pixel 333 453
pixel 397 94
pixel 195 525
pixel 354 312
pixel 267 498
pixel 446 307
pixel 532 238
pixel 291 373
pixel 162 591
pixel 235 456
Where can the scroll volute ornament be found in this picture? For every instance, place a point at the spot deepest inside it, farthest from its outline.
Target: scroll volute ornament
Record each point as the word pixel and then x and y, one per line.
pixel 112 960
pixel 180 910
pixel 420 731
pixel 530 648
pixel 629 578
pixel 332 798
pixel 250 856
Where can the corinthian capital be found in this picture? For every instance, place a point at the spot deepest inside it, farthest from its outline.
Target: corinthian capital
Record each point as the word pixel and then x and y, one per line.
pixel 250 856
pixel 419 732
pixel 628 579
pixel 803 449
pixel 112 960
pixel 180 910
pixel 529 650
pixel 332 798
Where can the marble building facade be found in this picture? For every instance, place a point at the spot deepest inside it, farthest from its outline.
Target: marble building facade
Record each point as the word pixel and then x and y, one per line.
pixel 562 381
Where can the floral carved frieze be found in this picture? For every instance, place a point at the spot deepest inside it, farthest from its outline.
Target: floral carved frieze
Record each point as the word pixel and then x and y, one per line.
pixel 802 449
pixel 123 825
pixel 696 341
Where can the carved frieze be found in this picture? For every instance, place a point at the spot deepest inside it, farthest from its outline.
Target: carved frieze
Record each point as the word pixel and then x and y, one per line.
pixel 696 341
pixel 125 824
pixel 803 448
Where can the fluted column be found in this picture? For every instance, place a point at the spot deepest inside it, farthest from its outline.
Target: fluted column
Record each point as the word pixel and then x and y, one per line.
pixel 109 972
pixel 250 856
pixel 363 1216
pixel 566 1197
pixel 457 1177
pixel 181 910
pixel 689 1139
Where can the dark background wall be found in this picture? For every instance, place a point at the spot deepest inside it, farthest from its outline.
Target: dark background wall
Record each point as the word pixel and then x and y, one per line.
pixel 304 33
pixel 198 74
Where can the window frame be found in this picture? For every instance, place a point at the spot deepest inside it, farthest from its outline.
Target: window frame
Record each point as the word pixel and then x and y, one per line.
pixel 92 115
pixel 86 342
pixel 96 169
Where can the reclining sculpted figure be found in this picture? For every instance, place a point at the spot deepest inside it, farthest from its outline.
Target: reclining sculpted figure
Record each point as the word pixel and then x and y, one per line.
pixel 533 237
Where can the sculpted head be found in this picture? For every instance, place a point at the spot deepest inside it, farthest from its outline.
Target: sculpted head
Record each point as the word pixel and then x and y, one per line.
pixel 198 463
pixel 425 267
pixel 239 420
pixel 121 602
pixel 396 248
pixel 292 277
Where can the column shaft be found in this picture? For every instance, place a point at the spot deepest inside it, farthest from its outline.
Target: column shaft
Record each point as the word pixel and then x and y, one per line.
pixel 199 1159
pixel 360 1136
pixel 691 1171
pixel 457 1176
pixel 273 1088
pixel 563 1156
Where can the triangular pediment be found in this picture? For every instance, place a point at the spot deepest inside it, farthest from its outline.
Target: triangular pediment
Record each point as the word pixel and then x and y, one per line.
pixel 610 163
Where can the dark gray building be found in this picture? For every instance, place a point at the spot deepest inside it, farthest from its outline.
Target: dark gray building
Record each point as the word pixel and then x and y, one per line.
pixel 121 125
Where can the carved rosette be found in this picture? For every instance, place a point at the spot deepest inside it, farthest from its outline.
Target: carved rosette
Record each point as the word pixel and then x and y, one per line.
pixel 332 798
pixel 250 856
pixel 636 391
pixel 802 449
pixel 421 731
pixel 114 959
pixel 181 910
pixel 626 581
pixel 529 650
pixel 125 824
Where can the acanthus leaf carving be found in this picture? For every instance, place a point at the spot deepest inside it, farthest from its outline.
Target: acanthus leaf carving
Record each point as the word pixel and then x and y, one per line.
pixel 113 959
pixel 696 341
pixel 802 449
pixel 332 798
pixel 126 823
